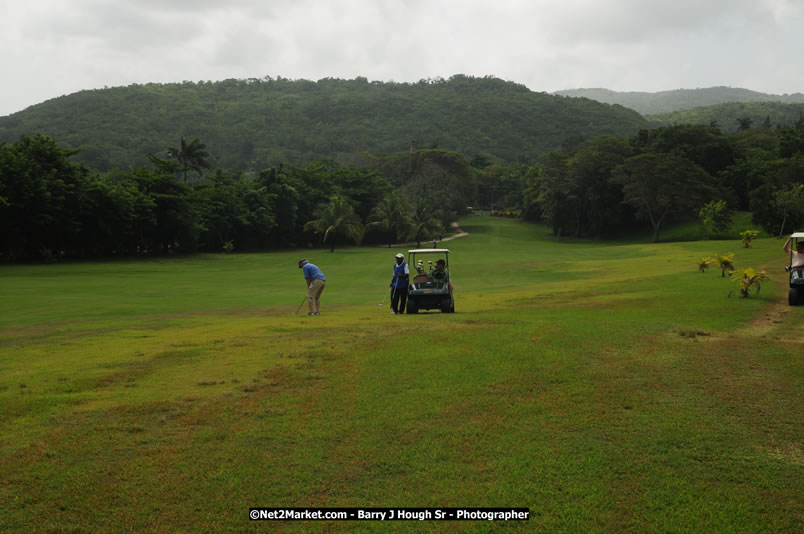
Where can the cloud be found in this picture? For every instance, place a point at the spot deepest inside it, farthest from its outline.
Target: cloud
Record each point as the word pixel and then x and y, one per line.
pixel 117 28
pixel 53 48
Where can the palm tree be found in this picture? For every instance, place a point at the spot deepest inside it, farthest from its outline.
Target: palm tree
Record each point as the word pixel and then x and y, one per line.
pixel 704 263
pixel 391 215
pixel 336 218
pixel 747 279
pixel 748 236
pixel 192 156
pixel 724 262
pixel 425 221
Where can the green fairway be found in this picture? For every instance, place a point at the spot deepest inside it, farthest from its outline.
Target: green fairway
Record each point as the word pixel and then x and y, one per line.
pixel 606 387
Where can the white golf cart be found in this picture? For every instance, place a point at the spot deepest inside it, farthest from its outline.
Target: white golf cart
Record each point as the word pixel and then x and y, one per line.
pixel 429 287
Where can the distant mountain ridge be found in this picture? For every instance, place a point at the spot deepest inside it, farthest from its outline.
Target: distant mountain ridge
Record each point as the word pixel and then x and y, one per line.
pixel 257 123
pixel 679 99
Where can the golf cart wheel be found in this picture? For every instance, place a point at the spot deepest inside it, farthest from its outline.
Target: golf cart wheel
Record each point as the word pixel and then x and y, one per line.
pixel 792 296
pixel 413 307
pixel 446 305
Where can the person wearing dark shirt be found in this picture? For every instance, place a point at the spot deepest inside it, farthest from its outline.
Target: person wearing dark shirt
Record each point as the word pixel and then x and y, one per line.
pixel 399 285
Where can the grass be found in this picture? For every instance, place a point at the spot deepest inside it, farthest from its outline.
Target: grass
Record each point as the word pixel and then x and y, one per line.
pixel 607 387
pixel 690 228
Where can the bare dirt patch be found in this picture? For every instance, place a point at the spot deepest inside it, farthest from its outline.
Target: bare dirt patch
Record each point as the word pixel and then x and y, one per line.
pixel 770 320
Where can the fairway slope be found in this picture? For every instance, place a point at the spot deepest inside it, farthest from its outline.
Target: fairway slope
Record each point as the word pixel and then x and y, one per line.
pixel 606 387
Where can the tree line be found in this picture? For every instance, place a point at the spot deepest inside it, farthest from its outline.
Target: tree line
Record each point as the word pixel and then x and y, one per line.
pixel 52 207
pixel 597 187
pixel 734 116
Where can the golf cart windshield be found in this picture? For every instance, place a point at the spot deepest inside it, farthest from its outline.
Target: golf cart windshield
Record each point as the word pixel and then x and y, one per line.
pixel 428 257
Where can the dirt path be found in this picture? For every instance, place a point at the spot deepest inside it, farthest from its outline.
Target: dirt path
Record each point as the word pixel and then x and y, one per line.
pixel 771 321
pixel 461 233
pixel 455 236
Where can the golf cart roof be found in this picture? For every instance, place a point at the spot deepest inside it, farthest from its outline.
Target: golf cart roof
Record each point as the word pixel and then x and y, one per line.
pixel 429 251
pixel 798 235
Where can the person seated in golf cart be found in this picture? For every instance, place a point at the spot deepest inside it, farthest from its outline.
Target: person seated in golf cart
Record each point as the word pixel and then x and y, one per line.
pixel 796 256
pixel 441 274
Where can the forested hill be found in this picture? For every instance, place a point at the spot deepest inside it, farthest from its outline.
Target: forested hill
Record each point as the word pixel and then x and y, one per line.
pixel 678 99
pixel 256 123
pixel 735 116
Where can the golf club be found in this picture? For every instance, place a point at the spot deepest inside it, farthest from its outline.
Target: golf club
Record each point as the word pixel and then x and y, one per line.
pixel 385 297
pixel 300 305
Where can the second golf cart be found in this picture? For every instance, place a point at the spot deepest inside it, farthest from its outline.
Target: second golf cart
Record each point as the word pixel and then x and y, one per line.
pixel 430 287
pixel 795 295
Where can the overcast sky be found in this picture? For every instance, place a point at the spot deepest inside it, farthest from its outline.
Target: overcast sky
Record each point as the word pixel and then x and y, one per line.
pixel 50 48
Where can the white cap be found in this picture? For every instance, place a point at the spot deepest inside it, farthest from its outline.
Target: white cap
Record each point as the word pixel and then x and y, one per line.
pixel 400 255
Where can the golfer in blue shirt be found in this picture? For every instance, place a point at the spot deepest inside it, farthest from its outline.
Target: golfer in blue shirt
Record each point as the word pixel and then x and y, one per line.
pixel 315 285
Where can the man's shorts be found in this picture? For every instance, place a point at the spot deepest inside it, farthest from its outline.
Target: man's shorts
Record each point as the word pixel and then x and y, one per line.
pixel 315 289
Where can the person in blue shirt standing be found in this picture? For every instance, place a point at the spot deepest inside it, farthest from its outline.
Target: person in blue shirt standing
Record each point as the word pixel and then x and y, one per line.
pixel 315 285
pixel 399 283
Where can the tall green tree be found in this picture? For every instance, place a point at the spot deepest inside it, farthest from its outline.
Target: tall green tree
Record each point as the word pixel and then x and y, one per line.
pixel 43 193
pixel 704 145
pixel 747 173
pixel 660 185
pixel 426 221
pixel 791 140
pixel 283 191
pixel 500 186
pixel 777 177
pixel 716 216
pixel 336 219
pixel 236 210
pixel 444 177
pixel 192 156
pixel 597 202
pixel 363 187
pixel 392 217
pixel 789 203
pixel 109 216
pixel 550 197
pixel 168 218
